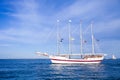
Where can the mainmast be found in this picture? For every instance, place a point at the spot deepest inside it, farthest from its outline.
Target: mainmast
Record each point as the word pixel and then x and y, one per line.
pixel 81 40
pixel 92 37
pixel 58 38
pixel 70 51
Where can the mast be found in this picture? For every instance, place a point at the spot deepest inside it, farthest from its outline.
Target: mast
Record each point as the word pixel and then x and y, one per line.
pixel 81 40
pixel 70 51
pixel 92 37
pixel 58 38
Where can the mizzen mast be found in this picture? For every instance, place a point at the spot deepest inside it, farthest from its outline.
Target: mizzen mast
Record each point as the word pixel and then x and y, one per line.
pixel 70 46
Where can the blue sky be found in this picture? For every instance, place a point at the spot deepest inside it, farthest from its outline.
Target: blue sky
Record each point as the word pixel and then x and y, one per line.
pixel 27 26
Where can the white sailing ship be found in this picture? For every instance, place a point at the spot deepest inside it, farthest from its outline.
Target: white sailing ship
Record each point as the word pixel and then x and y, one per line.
pixel 81 58
pixel 113 56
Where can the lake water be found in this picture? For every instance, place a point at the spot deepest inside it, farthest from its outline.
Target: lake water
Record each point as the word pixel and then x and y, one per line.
pixel 42 69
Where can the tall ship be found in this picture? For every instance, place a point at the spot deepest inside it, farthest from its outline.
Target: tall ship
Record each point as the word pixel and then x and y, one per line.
pixel 81 58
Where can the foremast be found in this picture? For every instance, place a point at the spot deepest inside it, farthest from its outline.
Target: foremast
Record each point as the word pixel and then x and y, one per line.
pixel 81 38
pixel 58 38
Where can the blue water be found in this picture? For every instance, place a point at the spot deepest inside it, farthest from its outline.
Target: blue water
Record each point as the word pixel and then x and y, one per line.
pixel 41 69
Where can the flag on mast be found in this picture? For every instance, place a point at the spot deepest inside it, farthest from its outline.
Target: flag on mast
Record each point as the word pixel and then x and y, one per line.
pixel 72 39
pixel 61 40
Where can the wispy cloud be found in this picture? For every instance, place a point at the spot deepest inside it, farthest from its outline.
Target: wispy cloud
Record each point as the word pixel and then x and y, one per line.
pixel 28 26
pixel 81 10
pixel 34 21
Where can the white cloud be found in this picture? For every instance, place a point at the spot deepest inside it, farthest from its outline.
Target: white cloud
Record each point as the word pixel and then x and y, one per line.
pixel 28 26
pixel 31 24
pixel 81 10
pixel 109 26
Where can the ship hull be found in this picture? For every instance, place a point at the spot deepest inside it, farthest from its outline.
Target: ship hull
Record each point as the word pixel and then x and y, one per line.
pixel 78 61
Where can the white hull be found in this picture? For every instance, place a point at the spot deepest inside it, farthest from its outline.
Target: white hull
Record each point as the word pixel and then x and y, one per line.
pixel 57 59
pixel 113 57
pixel 85 58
